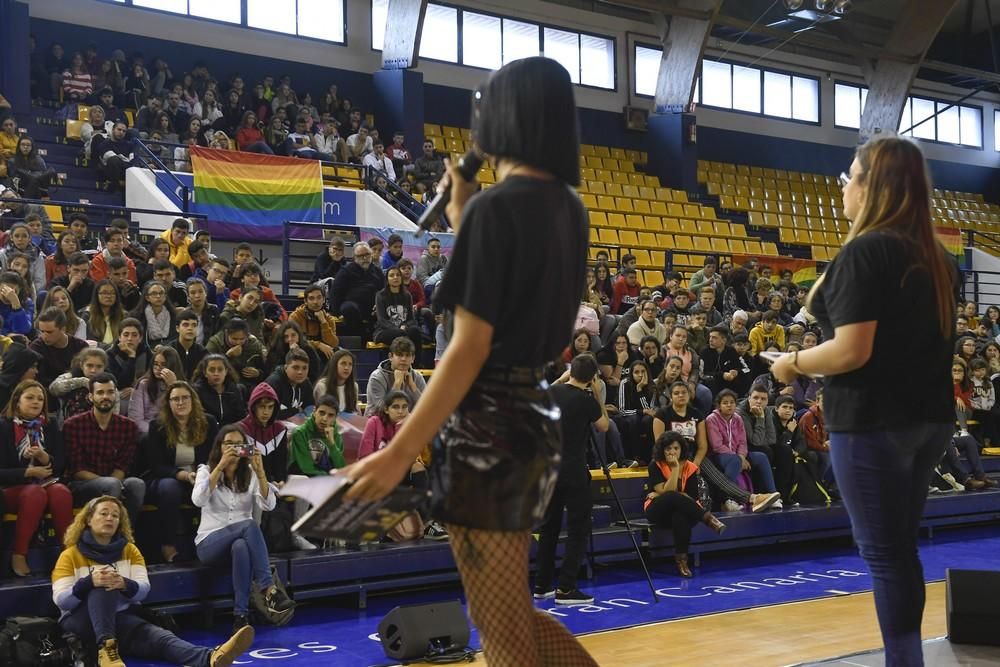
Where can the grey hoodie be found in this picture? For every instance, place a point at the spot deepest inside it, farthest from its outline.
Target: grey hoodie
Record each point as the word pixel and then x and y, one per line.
pixel 380 383
pixel 760 430
pixel 428 266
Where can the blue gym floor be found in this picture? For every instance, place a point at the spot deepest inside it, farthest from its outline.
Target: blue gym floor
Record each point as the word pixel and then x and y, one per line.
pixel 336 633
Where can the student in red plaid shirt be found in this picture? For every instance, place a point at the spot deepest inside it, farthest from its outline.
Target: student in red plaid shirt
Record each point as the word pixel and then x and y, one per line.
pixel 101 446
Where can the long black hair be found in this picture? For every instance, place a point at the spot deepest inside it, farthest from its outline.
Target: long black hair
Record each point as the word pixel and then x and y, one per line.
pixel 526 111
pixel 244 475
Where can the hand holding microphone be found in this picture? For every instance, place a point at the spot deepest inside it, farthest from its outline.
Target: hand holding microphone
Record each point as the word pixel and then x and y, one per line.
pixel 454 189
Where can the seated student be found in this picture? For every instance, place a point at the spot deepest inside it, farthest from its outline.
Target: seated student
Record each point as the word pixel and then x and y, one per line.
pixel 243 350
pixel 72 387
pixel 615 362
pixel 17 310
pixel 207 313
pixel 114 246
pixel 647 325
pixel 219 389
pixel 128 358
pixel 158 249
pixel 179 441
pixel 394 252
pixel 31 462
pixel 581 408
pixel 762 436
pixel 228 488
pixel 102 607
pixel 242 256
pixel 133 250
pixel 18 263
pixel 307 458
pixel 352 294
pixel 672 501
pixel 101 448
pixel 79 225
pixel 129 291
pixel 59 298
pixel 54 346
pixel 767 332
pixel 635 411
pixel 251 277
pixel 57 264
pixel 983 400
pixel 178 238
pixel 201 262
pixel 380 429
pixel 431 266
pixel 394 311
pixel 339 382
pixel 395 373
pixel 728 441
pixel 697 333
pixel 18 364
pixel 166 273
pixel 330 261
pixel 288 337
pixel 706 299
pixel 266 433
pixel 165 369
pixel 156 314
pixel 817 439
pixel 247 308
pixel 19 242
pixel 186 345
pixel 720 362
pixel 104 315
pixel 217 283
pixel 317 325
pixel 291 385
pixel 652 354
pixel 683 417
pixel 423 314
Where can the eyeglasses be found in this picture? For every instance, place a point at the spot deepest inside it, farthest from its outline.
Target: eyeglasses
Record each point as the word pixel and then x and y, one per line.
pixel 180 399
pixel 844 179
pixel 362 255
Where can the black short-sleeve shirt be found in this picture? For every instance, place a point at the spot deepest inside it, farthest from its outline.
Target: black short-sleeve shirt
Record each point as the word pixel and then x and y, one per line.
pixel 518 263
pixel 579 410
pixel 687 425
pixel 879 276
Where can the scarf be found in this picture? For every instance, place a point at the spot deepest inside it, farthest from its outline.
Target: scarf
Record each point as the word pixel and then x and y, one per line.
pixel 157 326
pixel 32 251
pixel 105 554
pixel 28 434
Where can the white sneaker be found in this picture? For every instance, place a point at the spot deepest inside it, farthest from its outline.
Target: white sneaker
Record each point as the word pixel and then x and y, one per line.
pixel 435 531
pixel 612 466
pixel 963 432
pixel 302 544
pixel 777 505
pixel 732 506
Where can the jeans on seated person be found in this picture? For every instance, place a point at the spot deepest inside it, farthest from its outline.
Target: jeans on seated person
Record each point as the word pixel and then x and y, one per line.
pixel 760 469
pixel 134 492
pixel 967 445
pixel 703 399
pixel 168 494
pixel 96 620
pixel 242 545
pixel 258 147
pixel 609 444
pixel 883 477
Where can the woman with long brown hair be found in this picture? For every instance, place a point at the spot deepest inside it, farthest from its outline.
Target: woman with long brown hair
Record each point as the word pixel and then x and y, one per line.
pixel 179 441
pixel 887 298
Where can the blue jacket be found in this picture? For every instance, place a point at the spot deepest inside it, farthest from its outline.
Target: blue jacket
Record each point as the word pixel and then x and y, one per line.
pixel 17 321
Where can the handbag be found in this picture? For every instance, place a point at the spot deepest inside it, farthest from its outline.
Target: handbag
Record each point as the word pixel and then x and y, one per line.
pixel 36 641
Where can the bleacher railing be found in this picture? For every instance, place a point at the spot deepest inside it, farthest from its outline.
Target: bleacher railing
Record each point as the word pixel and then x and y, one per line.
pixel 312 237
pixel 184 198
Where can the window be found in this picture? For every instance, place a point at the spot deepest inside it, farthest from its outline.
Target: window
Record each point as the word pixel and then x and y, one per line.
pixel 742 88
pixel 805 99
pixel 319 19
pixel 380 12
pixel 777 95
pixel 970 127
pixel 746 89
pixel 482 41
pixel 847 106
pixel 597 61
pixel 520 40
pixel 564 48
pixel 439 39
pixel 948 129
pixel 647 69
pixel 717 90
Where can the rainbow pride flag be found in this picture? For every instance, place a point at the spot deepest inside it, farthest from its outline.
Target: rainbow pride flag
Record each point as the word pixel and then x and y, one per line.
pixel 952 241
pixel 803 270
pixel 250 195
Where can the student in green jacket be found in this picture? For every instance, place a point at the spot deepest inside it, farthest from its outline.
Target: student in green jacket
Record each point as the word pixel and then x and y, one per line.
pixel 317 448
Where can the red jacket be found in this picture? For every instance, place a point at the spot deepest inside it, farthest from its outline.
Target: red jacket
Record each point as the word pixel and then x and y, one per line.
pixel 622 293
pixel 814 430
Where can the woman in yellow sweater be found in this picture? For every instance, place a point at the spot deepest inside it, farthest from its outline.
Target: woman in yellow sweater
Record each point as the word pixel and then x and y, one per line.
pixel 98 583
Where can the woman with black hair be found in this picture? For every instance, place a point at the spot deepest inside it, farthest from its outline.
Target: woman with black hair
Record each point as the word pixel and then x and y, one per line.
pixel 636 409
pixel 673 499
pixel 33 174
pixel 889 420
pixel 495 459
pixel 219 389
pixel 615 362
pixel 57 264
pixel 156 314
pixel 735 297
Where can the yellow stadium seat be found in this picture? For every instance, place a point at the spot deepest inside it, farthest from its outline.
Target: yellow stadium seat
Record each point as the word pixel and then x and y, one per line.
pixel 647 239
pixel 603 175
pixel 630 191
pixel 665 241
pixel 54 212
pixel 606 203
pixel 620 177
pixel 618 153
pixel 641 206
pixel 598 218
pixel 702 244
pixel 682 242
pixel 737 247
pixel 451 132
pixel 609 236
pixel 646 192
pixel 689 227
pixel 721 229
pixel 611 164
pixel 671 225
pixel 664 194
pixel 675 210
pixel 439 144
pixel 73 128
pixel 613 189
pixel 653 223
pixel 642 257
pixel 637 179
pixel 624 204
pixel 754 248
pixel 589 201
pixel 770 249
pixel 633 221
pixel 432 130
pixel 588 174
pixel 819 253
pixel 756 218
pixel 658 257
pixel 593 162
pixel 633 155
pixel 737 230
pixel 594 236
pixel 586 149
pixel 466 134
pixel 628 238
pixel 658 208
pixel 616 220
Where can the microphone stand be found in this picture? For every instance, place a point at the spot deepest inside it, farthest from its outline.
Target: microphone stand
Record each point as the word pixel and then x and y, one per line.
pixel 621 510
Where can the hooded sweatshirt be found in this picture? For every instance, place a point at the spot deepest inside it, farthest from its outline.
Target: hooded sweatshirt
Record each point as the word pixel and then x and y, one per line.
pixel 760 431
pixel 253 351
pixel 271 440
pixel 380 383
pixel 304 461
pixel 427 266
pixel 292 398
pixel 376 436
pixel 760 339
pixel 228 407
pixel 726 436
pixel 178 253
pixel 393 310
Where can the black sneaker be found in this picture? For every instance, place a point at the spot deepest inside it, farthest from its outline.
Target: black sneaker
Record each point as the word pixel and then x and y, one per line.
pixel 574 596
pixel 277 601
pixel 543 593
pixel 240 621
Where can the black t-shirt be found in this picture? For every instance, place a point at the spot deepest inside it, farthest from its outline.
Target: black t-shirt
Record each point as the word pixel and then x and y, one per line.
pixel 687 425
pixel 907 379
pixel 579 411
pixel 518 263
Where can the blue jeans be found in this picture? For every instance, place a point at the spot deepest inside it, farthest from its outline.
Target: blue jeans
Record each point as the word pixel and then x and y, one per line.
pixel 243 544
pixel 883 478
pixel 95 620
pixel 131 491
pixel 760 469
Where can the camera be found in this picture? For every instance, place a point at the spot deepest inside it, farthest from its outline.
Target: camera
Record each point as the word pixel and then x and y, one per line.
pixel 245 450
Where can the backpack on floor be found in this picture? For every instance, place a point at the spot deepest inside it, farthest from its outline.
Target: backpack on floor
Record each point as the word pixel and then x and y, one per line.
pixel 258 604
pixel 36 641
pixel 806 489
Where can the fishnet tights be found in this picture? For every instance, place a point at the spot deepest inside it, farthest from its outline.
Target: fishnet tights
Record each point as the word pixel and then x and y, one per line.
pixel 494 569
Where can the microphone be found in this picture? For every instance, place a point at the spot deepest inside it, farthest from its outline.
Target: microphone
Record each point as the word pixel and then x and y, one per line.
pixel 468 165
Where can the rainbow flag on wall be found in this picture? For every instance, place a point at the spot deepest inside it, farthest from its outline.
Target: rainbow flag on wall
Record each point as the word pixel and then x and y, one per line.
pixel 803 270
pixel 952 241
pixel 249 195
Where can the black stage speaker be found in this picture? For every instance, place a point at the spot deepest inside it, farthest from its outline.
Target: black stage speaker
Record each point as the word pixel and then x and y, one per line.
pixel 410 631
pixel 973 615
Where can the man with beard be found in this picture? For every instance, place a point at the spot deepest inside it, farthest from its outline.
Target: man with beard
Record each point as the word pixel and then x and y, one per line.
pixel 101 446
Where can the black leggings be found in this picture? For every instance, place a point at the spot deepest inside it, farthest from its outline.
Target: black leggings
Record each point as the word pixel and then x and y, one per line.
pixel 679 512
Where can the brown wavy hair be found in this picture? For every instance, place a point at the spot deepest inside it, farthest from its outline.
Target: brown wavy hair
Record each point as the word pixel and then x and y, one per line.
pixel 197 423
pixel 10 410
pixel 898 201
pixel 83 517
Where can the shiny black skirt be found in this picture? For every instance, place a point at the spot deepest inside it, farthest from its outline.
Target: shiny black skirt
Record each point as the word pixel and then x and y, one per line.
pixel 496 459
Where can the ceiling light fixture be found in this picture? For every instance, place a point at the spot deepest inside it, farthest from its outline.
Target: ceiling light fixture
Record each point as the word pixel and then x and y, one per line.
pixel 793 5
pixel 823 5
pixel 842 7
